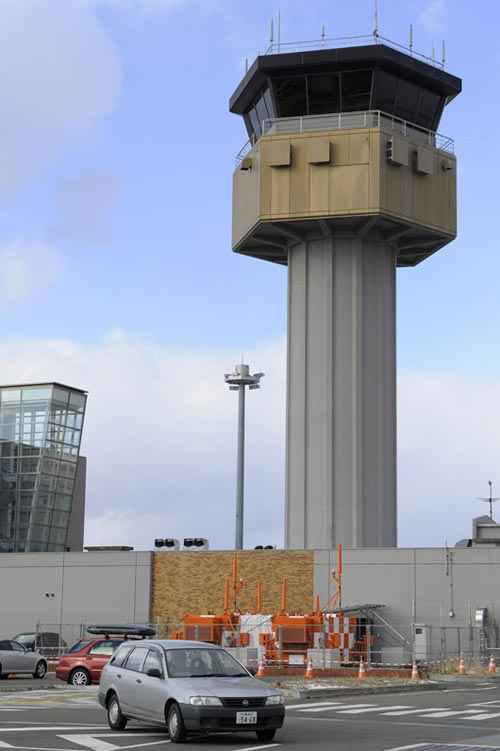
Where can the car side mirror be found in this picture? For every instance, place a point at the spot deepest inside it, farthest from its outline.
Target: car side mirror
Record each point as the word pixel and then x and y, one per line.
pixel 154 673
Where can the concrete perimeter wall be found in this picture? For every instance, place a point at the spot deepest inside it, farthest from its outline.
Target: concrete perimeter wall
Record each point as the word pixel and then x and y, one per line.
pixel 415 585
pixel 81 588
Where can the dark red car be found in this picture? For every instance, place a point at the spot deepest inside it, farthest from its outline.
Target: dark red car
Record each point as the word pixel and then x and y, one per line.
pixel 82 665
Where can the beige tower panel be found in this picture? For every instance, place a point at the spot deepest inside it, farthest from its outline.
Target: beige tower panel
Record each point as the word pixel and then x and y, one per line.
pixel 300 189
pixel 246 198
pixel 345 173
pixel 319 189
pixel 422 193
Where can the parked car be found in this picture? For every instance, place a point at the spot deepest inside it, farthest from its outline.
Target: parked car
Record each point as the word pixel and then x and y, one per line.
pixel 192 687
pixel 83 663
pixel 14 658
pixel 48 643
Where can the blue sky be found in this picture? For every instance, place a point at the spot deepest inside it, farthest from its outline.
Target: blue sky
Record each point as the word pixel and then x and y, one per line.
pixel 116 270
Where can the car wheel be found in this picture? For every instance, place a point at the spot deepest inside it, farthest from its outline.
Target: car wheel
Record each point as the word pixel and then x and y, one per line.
pixel 80 677
pixel 265 736
pixel 175 724
pixel 40 670
pixel 116 720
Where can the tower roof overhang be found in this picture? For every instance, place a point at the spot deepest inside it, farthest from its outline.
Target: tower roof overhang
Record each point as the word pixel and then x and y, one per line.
pixel 315 61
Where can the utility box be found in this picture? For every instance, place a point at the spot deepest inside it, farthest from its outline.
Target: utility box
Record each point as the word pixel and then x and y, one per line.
pixel 422 641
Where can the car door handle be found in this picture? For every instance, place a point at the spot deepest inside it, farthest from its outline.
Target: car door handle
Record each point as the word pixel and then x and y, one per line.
pixel 118 675
pixel 138 680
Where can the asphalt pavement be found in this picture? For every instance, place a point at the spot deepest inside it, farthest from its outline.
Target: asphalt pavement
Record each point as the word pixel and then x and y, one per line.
pixel 458 719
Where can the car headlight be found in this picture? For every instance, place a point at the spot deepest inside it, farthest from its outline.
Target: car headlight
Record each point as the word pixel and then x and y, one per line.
pixel 205 701
pixel 275 699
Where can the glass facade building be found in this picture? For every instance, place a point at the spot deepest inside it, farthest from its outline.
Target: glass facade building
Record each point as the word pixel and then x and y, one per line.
pixel 40 434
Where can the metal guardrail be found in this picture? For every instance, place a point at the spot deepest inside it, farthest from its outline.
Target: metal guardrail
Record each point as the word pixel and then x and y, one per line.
pixel 276 48
pixel 348 120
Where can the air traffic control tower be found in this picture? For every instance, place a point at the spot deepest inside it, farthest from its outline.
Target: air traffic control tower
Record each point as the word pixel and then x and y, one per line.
pixel 345 178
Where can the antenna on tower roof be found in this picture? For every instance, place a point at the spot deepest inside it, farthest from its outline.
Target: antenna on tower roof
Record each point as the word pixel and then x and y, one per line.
pixel 271 36
pixel 411 37
pixel 279 30
pixel 443 54
pixel 323 33
pixel 375 19
pixel 491 500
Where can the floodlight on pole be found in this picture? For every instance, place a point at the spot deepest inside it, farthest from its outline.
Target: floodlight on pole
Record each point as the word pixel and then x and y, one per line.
pixel 238 380
pixel 490 499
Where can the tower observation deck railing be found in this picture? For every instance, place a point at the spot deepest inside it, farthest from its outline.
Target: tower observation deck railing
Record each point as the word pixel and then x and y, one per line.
pixel 349 120
pixel 278 47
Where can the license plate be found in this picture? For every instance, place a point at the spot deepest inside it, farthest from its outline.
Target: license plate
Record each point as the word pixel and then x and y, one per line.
pixel 246 718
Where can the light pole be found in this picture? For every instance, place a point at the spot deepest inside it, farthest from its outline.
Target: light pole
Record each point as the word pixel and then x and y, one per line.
pixel 238 380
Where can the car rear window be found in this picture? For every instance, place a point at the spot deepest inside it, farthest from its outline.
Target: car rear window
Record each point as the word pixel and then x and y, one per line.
pixel 106 647
pixel 79 645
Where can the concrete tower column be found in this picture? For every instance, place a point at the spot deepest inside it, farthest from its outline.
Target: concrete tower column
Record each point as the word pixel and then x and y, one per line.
pixel 341 397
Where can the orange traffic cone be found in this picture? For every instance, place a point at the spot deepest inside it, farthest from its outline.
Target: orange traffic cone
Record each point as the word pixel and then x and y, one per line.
pixel 461 666
pixel 310 670
pixel 414 671
pixel 492 667
pixel 362 669
pixel 261 670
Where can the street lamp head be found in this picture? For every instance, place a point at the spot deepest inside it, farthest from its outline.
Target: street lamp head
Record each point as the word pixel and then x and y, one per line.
pixel 241 376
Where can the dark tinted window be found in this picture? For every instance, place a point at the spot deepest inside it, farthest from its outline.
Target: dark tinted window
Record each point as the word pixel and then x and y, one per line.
pixel 356 90
pixel 121 655
pixel 385 92
pixel 428 109
pixel 324 94
pixel 136 658
pixel 254 122
pixel 407 97
pixel 5 646
pixel 262 112
pixel 269 103
pixel 16 647
pixel 290 94
pixel 153 660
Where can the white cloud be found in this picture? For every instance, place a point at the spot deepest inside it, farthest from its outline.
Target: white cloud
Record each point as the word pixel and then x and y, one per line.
pixel 432 16
pixel 160 440
pixel 59 74
pixel 27 269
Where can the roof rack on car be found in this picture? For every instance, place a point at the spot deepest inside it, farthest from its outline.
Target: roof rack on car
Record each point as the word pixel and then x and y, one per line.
pixel 138 632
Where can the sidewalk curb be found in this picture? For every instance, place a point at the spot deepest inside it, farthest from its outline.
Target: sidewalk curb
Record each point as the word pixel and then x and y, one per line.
pixel 327 693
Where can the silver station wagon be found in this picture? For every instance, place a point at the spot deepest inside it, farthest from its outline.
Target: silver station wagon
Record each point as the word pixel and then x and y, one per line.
pixel 189 686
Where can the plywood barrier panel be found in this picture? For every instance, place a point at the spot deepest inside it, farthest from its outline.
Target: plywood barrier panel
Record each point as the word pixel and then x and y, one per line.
pixel 193 582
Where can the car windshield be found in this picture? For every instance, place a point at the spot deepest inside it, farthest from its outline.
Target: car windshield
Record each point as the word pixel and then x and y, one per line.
pixel 202 663
pixel 24 639
pixel 79 645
